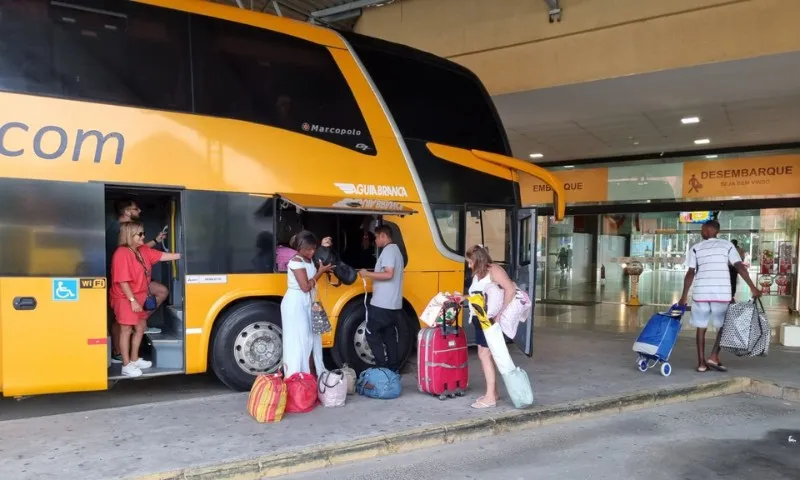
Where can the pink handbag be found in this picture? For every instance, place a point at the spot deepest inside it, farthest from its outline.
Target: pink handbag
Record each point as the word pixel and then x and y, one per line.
pixel 494 296
pixel 517 311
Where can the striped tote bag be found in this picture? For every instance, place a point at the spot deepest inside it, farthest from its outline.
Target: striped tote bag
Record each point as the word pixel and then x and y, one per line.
pixel 267 400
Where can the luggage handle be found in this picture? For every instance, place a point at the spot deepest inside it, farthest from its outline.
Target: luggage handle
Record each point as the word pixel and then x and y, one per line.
pixel 676 308
pixel 323 380
pixel 759 305
pixel 444 324
pixel 444 329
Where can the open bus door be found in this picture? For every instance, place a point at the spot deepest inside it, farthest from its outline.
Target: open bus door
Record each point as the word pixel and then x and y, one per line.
pixel 509 233
pixel 510 236
pixel 525 236
pixel 53 290
pixel 524 275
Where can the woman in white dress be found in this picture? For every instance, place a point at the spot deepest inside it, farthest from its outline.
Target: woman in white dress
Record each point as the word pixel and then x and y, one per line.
pixel 298 340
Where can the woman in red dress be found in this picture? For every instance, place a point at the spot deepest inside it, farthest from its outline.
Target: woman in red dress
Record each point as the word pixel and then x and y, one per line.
pixel 131 269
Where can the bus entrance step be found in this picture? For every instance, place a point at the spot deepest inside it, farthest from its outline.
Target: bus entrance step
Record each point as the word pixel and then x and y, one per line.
pixel 167 350
pixel 115 372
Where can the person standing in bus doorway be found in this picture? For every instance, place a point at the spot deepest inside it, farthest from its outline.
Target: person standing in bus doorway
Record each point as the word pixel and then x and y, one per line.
pixel 127 210
pixel 386 307
pixel 131 267
pixel 707 264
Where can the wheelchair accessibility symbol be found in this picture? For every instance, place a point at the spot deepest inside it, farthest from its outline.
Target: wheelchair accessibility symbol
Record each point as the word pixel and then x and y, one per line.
pixel 65 290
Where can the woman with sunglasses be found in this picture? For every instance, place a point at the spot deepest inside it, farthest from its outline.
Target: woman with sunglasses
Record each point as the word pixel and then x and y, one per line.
pixel 131 269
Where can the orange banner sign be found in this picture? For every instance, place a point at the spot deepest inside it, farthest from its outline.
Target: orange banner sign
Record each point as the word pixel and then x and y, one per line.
pixel 750 176
pixel 589 185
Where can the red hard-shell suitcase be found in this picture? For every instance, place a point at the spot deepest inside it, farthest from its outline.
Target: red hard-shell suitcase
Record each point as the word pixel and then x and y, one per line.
pixel 443 364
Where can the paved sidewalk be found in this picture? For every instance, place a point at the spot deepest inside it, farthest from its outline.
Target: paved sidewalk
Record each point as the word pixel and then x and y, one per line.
pixel 146 439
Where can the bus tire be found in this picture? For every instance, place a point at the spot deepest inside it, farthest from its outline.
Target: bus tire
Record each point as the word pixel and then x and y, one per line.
pixel 235 358
pixel 351 327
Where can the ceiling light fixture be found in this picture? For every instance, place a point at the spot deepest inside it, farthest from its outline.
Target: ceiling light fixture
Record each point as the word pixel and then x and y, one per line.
pixel 690 120
pixel 569 166
pixel 702 141
pixel 536 155
pixel 712 156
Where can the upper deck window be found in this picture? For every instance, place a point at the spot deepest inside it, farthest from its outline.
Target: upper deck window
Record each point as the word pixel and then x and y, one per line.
pixel 262 76
pixel 431 99
pixel 139 55
pixel 113 52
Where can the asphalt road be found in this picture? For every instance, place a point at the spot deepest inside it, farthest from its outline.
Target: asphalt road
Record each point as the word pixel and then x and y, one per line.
pixel 124 393
pixel 737 437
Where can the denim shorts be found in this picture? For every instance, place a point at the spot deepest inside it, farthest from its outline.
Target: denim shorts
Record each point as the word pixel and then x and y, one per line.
pixel 480 338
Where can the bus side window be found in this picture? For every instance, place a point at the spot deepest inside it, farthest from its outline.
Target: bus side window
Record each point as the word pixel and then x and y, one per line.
pixel 228 233
pixel 26 51
pixel 262 76
pixel 54 229
pixel 137 55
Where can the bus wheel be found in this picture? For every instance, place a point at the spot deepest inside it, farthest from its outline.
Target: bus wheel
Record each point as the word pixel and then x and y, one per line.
pixel 247 343
pixel 351 347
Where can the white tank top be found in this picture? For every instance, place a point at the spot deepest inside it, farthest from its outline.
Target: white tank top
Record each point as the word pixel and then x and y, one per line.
pixel 478 285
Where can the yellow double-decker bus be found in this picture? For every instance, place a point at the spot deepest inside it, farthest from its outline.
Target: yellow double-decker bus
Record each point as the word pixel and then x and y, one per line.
pixel 234 130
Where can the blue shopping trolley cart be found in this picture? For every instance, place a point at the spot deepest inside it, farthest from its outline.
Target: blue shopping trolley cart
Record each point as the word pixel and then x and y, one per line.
pixel 658 338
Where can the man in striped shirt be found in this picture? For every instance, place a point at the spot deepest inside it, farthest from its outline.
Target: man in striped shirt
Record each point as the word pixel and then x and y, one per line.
pixel 707 264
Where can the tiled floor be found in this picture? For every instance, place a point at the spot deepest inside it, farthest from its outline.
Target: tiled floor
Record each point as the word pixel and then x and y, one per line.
pixel 662 287
pixel 621 318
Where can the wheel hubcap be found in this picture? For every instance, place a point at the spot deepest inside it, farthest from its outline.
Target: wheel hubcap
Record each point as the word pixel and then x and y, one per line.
pixel 362 347
pixel 363 350
pixel 258 348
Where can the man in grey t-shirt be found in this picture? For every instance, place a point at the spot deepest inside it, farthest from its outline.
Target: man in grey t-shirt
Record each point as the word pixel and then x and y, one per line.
pixel 386 307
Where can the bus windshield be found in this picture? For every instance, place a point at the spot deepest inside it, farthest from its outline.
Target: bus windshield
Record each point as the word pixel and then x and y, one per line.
pixel 431 99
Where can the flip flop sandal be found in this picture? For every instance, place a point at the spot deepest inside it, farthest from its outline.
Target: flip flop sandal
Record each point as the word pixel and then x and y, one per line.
pixel 480 405
pixel 702 369
pixel 717 366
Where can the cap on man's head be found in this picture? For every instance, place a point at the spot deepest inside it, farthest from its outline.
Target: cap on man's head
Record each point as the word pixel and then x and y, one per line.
pixel 712 223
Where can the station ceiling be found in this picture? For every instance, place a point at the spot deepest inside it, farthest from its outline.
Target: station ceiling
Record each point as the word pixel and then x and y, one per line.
pixel 738 103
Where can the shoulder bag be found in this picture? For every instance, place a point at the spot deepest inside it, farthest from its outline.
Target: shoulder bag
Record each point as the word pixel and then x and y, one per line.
pixel 150 302
pixel 319 317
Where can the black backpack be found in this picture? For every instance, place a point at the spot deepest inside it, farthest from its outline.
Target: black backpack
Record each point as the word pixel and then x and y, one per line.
pixel 344 272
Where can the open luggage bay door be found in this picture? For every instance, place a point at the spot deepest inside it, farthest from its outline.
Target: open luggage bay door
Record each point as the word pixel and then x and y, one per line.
pixel 364 206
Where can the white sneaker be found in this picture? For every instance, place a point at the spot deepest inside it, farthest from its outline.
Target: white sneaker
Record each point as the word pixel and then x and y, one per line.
pixel 131 370
pixel 143 364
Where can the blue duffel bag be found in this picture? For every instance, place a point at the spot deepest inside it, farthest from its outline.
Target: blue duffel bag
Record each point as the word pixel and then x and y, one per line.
pixel 380 383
